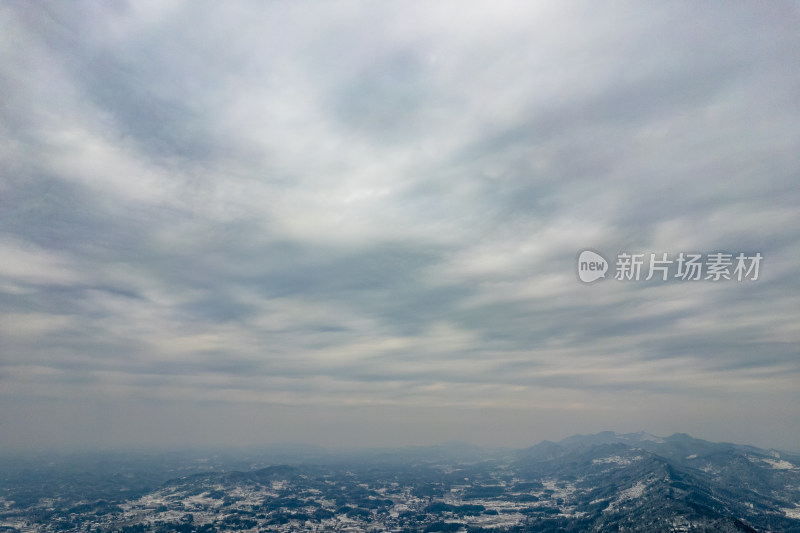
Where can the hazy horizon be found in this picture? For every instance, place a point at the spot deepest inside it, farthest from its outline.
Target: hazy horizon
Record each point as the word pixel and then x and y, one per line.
pixel 277 452
pixel 352 223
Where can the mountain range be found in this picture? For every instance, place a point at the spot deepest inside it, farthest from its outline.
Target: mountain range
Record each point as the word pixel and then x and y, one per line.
pixel 601 482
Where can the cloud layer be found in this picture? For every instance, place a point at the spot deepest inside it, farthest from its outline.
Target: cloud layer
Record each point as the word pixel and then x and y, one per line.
pixel 359 222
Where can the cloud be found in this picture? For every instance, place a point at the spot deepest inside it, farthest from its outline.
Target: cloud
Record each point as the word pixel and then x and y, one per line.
pixel 380 206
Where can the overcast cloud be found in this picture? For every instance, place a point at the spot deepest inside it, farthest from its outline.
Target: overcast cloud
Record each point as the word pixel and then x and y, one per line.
pixel 357 223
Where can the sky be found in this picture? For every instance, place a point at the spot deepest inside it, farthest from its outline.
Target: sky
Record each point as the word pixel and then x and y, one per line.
pixel 358 223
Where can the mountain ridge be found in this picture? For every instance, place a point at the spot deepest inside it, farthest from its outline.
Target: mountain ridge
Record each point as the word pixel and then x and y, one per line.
pixel 599 482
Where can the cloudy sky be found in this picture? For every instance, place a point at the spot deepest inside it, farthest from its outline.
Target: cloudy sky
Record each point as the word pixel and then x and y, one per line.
pixel 350 223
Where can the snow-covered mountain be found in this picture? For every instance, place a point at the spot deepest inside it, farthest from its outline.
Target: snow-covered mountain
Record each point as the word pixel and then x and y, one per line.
pixel 601 482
